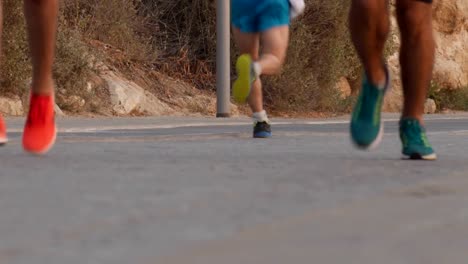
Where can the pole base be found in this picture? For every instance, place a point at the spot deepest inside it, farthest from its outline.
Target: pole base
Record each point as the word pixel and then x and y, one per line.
pixel 223 115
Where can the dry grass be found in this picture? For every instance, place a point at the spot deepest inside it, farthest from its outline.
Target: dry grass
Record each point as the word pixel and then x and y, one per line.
pixel 177 37
pixel 15 68
pixel 186 37
pixel 320 53
pixel 118 23
pixel 320 47
pixel 115 22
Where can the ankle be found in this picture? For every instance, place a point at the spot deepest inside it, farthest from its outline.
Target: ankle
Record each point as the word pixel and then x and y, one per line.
pixel 42 86
pixel 419 118
pixel 377 77
pixel 260 116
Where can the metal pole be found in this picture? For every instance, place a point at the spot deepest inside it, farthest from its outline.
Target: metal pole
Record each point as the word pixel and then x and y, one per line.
pixel 223 59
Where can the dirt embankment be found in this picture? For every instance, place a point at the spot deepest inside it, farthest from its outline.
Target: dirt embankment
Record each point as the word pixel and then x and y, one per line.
pixel 156 57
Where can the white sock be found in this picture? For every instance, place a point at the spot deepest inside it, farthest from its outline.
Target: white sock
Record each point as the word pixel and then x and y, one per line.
pixel 257 68
pixel 260 117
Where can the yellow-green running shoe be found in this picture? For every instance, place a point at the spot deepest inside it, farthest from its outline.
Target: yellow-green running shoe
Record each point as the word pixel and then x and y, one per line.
pixel 245 78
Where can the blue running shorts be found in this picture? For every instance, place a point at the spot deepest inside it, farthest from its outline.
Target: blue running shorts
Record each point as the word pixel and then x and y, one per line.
pixel 252 16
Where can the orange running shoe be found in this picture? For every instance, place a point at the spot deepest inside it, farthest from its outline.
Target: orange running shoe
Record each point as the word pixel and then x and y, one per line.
pixel 40 130
pixel 3 135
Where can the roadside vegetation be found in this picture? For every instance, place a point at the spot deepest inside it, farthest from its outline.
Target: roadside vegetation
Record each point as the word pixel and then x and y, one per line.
pixel 177 38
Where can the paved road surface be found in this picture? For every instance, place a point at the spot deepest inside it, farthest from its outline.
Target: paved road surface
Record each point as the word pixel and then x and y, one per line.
pixel 179 190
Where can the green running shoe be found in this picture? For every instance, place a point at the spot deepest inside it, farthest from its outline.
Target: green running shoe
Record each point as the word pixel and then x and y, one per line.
pixel 366 126
pixel 245 78
pixel 413 136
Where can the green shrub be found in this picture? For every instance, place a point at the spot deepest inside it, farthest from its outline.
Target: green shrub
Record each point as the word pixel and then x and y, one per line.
pixel 453 99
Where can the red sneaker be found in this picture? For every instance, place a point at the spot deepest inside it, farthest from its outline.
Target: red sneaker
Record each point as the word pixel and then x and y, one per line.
pixel 3 135
pixel 40 130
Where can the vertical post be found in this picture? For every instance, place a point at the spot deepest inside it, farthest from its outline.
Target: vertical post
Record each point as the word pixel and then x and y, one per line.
pixel 223 59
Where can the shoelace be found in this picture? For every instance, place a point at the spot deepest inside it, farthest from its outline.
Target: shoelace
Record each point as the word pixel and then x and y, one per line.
pixel 262 125
pixel 412 131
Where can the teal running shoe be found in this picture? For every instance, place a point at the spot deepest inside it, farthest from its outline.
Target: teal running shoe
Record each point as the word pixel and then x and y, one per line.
pixel 413 136
pixel 366 125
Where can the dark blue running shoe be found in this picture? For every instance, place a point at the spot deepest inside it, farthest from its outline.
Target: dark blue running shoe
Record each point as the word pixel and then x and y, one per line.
pixel 262 130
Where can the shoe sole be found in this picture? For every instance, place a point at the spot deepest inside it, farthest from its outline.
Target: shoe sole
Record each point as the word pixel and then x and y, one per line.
pixel 416 156
pixel 46 149
pixel 266 136
pixel 379 137
pixel 374 143
pixel 241 87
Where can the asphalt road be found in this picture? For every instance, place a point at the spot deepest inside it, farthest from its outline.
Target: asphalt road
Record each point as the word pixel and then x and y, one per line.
pixel 198 190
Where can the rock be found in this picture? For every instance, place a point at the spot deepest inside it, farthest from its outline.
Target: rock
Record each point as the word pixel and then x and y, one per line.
pixel 343 87
pixel 89 87
pixel 72 103
pixel 101 66
pixel 127 97
pixel 151 105
pixel 430 106
pixel 58 111
pixel 450 16
pixel 451 27
pixel 75 102
pixel 11 106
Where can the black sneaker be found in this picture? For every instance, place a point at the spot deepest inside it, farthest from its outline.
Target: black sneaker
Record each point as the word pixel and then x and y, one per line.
pixel 262 130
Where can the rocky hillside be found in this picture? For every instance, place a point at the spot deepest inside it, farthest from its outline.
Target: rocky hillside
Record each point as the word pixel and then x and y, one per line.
pixel 451 68
pixel 156 57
